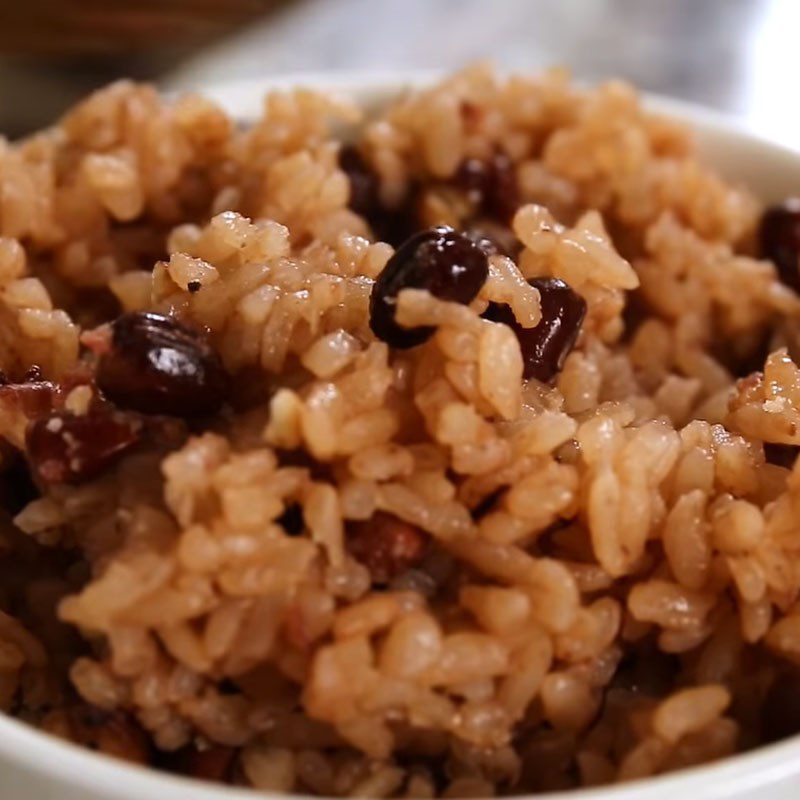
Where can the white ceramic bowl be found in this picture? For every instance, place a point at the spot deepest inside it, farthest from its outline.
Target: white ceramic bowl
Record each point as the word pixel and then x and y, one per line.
pixel 34 766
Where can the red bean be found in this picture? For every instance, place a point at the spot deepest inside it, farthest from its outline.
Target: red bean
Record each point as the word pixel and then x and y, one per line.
pixel 33 398
pixel 155 365
pixel 386 546
pixel 66 448
pixel 782 455
pixel 491 185
pixel 364 185
pixel 393 225
pixel 779 238
pixel 446 263
pixel 545 346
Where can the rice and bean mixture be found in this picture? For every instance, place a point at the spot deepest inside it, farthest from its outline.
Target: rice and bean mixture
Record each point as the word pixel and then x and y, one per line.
pixel 444 451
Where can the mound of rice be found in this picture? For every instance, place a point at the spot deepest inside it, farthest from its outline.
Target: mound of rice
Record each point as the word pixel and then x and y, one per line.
pixel 403 572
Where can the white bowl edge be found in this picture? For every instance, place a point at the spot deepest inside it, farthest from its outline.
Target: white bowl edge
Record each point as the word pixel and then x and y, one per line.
pixel 35 766
pixel 725 142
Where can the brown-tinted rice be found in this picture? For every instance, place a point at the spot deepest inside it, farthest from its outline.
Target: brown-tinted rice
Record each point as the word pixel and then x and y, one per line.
pixel 606 571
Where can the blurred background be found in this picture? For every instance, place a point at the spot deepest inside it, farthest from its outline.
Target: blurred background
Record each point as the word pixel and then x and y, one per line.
pixel 739 56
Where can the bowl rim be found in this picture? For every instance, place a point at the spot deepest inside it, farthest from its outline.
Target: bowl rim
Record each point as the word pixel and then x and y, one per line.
pixel 46 756
pixel 115 779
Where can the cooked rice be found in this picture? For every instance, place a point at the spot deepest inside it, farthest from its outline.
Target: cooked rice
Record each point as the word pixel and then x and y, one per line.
pixel 611 584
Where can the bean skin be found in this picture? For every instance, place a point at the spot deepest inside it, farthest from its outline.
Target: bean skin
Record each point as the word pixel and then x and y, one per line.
pixel 545 346
pixel 386 546
pixel 67 448
pixel 155 365
pixel 449 264
pixel 779 240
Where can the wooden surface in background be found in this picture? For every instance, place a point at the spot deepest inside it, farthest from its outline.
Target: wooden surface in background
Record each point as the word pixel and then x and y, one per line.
pixel 736 55
pixel 83 28
pixel 54 52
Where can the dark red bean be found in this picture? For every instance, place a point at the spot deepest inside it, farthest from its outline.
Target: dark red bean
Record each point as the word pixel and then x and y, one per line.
pixel 780 712
pixel 779 238
pixel 782 455
pixel 490 185
pixel 34 399
pixel 393 225
pixel 364 184
pixel 446 263
pixel 66 448
pixel 545 346
pixel 386 546
pixel 157 366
